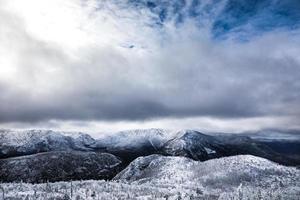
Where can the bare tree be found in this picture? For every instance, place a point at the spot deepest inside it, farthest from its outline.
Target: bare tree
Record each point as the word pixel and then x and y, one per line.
pixel 71 189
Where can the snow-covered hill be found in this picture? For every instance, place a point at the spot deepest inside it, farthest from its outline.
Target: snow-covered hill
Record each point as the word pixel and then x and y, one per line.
pixel 18 143
pixel 218 177
pixel 159 177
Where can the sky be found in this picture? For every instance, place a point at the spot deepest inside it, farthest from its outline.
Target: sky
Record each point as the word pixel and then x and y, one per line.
pixel 109 65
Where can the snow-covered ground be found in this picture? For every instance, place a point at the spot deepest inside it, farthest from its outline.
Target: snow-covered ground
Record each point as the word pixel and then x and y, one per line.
pixel 160 177
pixel 91 190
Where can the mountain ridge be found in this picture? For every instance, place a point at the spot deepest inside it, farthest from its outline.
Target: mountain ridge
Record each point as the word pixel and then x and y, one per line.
pixel 131 144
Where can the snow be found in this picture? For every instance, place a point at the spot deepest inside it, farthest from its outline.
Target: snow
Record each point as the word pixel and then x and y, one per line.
pixel 90 190
pixel 156 137
pixel 159 177
pixel 156 176
pixel 218 176
pixel 21 137
pixel 209 151
pixel 34 141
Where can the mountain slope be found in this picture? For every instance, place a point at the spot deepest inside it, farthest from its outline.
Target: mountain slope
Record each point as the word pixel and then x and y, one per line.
pixel 221 177
pixel 128 145
pixel 198 146
pixel 133 143
pixel 59 166
pixel 188 143
pixel 18 143
pixel 159 177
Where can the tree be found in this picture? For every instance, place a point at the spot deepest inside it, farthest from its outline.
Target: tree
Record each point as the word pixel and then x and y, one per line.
pixel 3 195
pixel 71 189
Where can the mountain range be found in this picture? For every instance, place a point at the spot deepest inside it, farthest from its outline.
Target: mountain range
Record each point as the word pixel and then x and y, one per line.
pixel 42 151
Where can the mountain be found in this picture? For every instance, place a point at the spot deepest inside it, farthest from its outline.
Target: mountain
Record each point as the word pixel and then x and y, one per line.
pixel 128 145
pixel 285 142
pixel 59 166
pixel 160 177
pixel 134 143
pixel 198 146
pixel 18 143
pixel 221 178
pixel 274 135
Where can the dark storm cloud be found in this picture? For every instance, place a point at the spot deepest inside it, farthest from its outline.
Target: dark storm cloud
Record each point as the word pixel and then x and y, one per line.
pixel 177 68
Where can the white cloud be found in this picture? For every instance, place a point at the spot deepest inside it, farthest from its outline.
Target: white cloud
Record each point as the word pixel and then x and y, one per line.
pixel 98 60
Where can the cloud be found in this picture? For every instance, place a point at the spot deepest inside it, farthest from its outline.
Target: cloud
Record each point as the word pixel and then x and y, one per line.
pixel 145 60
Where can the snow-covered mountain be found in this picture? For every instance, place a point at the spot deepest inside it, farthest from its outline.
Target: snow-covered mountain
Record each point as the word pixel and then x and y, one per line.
pixel 188 143
pixel 195 145
pixel 159 177
pixel 131 144
pixel 134 143
pixel 136 138
pixel 156 164
pixel 18 143
pixel 217 178
pixel 199 146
